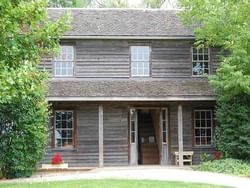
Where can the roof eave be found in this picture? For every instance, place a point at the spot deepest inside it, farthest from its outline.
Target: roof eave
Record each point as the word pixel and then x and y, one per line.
pixel 127 37
pixel 127 99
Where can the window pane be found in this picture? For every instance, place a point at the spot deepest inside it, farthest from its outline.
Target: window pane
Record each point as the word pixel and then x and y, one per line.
pixel 203 123
pixel 197 115
pixel 164 137
pixel 194 50
pixel 132 126
pixel 58 143
pixel 197 132
pixel 164 125
pixel 208 132
pixel 58 124
pixel 194 57
pixel 209 124
pixel 163 114
pixel 64 124
pixel 203 141
pixel 197 123
pixel 201 57
pixel 133 137
pixel 203 132
pixel 203 115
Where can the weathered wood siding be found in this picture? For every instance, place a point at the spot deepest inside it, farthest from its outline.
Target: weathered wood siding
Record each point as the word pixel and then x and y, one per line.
pixel 111 58
pixel 86 151
pixel 100 58
pixel 171 59
pixel 187 129
pixel 115 136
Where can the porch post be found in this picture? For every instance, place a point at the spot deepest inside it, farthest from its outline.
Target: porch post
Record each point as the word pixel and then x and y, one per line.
pixel 100 114
pixel 180 134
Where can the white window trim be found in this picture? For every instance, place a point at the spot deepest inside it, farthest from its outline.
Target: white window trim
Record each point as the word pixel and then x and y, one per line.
pixel 73 129
pixel 164 133
pixel 194 127
pixel 59 60
pixel 148 62
pixel 208 61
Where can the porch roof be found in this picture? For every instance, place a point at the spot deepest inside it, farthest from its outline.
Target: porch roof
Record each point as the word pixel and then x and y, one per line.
pixel 138 90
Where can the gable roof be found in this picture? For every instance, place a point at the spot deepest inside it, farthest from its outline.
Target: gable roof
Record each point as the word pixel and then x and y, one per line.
pixel 137 23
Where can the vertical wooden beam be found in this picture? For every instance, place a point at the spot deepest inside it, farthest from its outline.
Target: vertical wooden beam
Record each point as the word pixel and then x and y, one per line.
pixel 100 114
pixel 180 134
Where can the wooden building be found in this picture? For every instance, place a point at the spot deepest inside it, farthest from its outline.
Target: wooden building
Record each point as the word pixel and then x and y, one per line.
pixel 129 88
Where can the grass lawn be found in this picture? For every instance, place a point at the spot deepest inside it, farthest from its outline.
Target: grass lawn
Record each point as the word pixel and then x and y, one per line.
pixel 107 184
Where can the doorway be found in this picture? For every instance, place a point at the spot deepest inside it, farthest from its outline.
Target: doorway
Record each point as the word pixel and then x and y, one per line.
pixel 148 142
pixel 149 136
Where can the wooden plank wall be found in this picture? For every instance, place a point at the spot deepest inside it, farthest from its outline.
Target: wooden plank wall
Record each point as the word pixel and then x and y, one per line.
pixel 100 58
pixel 187 129
pixel 115 136
pixel 86 152
pixel 111 58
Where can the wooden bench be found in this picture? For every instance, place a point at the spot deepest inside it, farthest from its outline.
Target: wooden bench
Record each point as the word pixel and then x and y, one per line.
pixel 187 157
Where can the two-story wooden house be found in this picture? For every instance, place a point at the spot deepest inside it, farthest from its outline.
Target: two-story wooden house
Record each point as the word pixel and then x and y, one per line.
pixel 128 88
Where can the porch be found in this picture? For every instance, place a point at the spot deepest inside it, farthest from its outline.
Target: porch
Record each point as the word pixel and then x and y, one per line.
pixel 109 133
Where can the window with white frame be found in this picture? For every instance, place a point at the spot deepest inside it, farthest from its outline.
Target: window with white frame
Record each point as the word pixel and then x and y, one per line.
pixel 200 60
pixel 64 129
pixel 140 60
pixel 64 62
pixel 203 123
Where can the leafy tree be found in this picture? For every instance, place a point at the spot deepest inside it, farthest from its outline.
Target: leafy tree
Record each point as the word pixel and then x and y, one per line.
pixel 226 24
pixel 153 3
pixel 89 3
pixel 112 3
pixel 26 35
pixel 69 3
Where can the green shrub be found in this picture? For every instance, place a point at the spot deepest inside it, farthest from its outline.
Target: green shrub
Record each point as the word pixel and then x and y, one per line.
pixel 233 132
pixel 228 166
pixel 204 157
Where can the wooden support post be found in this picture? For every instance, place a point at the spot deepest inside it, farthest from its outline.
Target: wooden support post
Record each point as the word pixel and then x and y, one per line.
pixel 100 114
pixel 180 135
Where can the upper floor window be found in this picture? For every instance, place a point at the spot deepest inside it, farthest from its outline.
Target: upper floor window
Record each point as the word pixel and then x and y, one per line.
pixel 200 60
pixel 64 62
pixel 203 123
pixel 140 61
pixel 64 129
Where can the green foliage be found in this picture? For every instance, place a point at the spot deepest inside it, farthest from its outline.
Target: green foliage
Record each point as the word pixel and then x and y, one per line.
pixel 227 166
pixel 69 3
pixel 112 3
pixel 154 3
pixel 204 157
pixel 26 35
pixel 233 134
pixel 226 24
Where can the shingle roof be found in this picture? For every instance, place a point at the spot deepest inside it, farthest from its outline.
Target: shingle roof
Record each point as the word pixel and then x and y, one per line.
pixel 124 22
pixel 129 88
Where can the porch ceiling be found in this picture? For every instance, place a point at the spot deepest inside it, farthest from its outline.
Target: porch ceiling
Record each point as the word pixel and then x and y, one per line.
pixel 137 90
